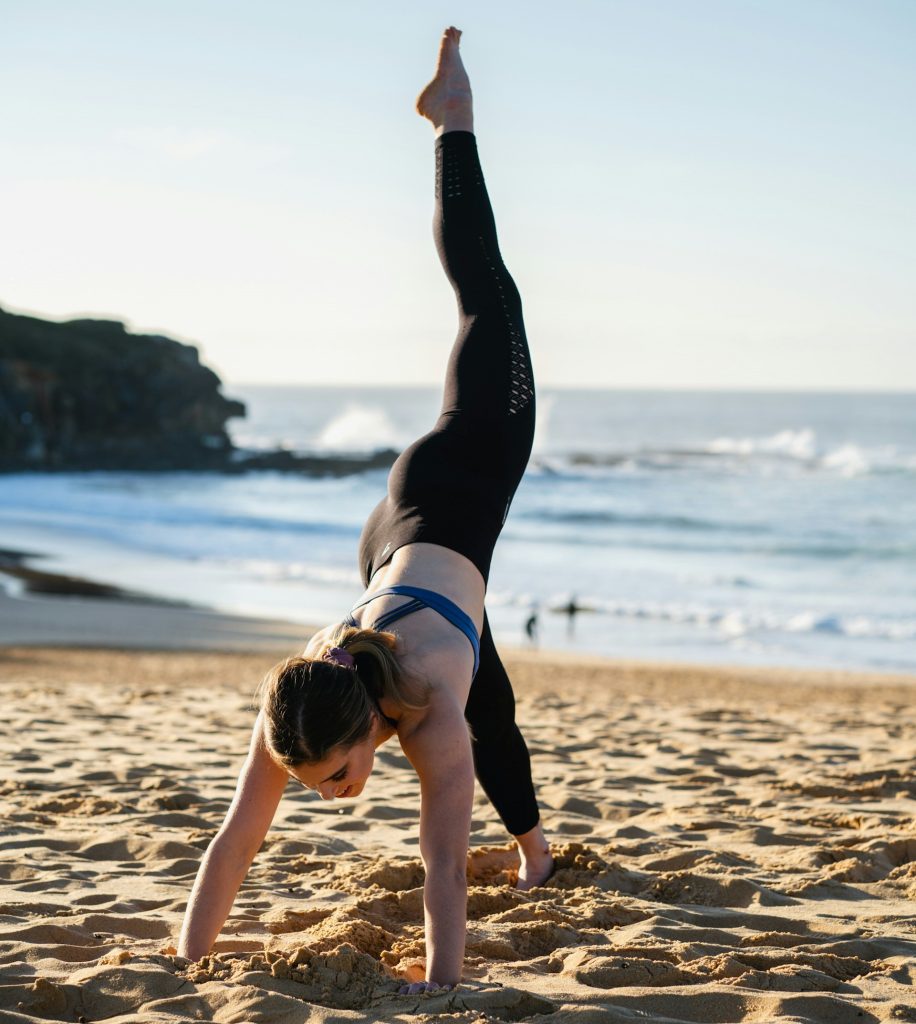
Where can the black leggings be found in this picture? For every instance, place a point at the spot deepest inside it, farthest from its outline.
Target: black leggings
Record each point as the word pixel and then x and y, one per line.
pixel 454 485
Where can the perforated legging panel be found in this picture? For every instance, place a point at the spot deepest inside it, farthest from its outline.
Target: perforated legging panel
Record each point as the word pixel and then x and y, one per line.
pixel 465 234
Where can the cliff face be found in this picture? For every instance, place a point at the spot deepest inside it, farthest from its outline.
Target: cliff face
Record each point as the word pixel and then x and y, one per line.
pixel 86 394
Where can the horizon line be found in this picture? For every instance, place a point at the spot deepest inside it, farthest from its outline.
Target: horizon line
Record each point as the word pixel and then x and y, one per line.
pixel 675 388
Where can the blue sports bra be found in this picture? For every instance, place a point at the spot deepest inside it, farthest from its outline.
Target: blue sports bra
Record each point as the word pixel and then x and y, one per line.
pixel 423 599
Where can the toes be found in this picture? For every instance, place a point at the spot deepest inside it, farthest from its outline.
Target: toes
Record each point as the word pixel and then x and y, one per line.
pixel 417 988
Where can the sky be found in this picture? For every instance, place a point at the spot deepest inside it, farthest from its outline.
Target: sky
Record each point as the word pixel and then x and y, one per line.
pixel 689 193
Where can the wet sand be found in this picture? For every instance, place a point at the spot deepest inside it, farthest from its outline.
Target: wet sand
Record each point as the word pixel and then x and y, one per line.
pixel 41 607
pixel 733 845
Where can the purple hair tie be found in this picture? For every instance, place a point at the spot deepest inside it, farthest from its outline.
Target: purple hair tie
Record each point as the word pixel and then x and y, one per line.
pixel 338 656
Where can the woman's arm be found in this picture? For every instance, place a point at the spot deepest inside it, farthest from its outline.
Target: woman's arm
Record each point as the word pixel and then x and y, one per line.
pixel 439 748
pixel 226 862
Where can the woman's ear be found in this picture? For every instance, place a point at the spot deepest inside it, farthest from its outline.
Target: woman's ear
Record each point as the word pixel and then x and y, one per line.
pixel 381 728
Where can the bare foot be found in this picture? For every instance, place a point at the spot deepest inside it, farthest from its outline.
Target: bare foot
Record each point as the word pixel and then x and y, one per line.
pixel 536 861
pixel 446 101
pixel 534 871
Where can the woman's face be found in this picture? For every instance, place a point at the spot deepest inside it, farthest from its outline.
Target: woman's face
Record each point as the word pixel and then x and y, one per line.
pixel 343 773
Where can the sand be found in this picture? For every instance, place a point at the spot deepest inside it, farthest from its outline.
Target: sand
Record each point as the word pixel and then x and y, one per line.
pixel 37 619
pixel 733 845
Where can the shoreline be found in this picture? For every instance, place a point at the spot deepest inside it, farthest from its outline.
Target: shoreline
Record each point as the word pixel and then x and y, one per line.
pixel 64 611
pixel 17 565
pixel 106 623
pixel 60 610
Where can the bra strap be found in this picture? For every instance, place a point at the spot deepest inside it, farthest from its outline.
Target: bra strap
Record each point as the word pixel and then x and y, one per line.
pixel 430 599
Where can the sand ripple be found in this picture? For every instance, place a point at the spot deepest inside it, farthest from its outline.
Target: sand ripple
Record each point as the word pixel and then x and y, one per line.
pixel 728 849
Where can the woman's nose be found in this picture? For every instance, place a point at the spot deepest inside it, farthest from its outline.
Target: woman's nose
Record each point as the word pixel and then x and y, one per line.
pixel 327 791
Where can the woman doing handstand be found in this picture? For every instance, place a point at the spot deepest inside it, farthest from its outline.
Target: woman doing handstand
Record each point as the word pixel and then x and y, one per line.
pixel 425 552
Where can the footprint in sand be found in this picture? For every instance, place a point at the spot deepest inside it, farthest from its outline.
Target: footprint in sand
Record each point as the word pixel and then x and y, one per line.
pixel 685 887
pixel 387 812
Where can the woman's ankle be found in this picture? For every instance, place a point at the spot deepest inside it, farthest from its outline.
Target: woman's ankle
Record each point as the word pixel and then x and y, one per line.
pixel 456 123
pixel 533 845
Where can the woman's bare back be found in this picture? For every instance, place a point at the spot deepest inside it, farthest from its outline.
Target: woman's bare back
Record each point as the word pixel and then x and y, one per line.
pixel 429 645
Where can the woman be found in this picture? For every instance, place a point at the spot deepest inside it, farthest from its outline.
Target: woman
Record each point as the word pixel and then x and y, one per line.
pixel 429 541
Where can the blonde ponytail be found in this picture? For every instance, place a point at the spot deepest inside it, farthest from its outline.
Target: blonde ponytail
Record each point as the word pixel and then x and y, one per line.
pixel 377 666
pixel 313 705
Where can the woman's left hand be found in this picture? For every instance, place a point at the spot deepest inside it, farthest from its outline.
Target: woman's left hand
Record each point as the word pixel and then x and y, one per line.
pixel 417 988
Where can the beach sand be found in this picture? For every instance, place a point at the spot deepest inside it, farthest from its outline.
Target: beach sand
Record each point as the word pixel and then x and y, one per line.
pixel 733 845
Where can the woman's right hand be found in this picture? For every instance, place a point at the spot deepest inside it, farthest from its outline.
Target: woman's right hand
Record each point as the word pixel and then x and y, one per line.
pixel 226 862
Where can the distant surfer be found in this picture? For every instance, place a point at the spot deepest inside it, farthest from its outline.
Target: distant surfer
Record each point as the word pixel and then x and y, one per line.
pixel 531 626
pixel 437 683
pixel 570 610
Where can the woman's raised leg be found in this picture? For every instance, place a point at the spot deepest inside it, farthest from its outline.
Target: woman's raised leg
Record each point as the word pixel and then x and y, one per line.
pixel 488 416
pixel 488 403
pixel 454 485
pixel 491 335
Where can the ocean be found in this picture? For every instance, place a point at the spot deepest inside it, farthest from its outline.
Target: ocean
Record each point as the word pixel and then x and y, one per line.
pixel 731 527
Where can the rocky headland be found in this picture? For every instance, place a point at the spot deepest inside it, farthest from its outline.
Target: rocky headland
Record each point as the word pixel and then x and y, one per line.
pixel 90 395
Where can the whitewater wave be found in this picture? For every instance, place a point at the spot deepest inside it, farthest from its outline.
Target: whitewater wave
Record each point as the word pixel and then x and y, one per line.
pixel 356 429
pixel 601 517
pixel 802 447
pixel 298 572
pixel 367 427
pixel 10 586
pixel 736 622
pixel 729 622
pixel 792 444
pixel 790 449
pixel 359 428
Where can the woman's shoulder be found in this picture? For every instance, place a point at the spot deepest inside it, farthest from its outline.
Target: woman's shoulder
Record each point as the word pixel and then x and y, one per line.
pixel 318 640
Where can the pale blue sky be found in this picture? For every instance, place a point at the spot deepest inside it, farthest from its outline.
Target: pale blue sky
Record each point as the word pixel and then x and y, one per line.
pixel 689 192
